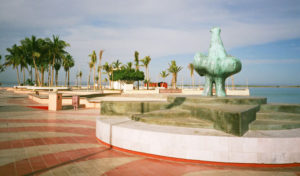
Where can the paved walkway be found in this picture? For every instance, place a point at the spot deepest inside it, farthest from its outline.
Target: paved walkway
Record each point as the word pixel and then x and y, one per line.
pixel 38 142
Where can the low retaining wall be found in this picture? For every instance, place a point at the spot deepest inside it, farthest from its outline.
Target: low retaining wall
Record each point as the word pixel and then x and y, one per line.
pixel 187 144
pixel 66 101
pixel 170 90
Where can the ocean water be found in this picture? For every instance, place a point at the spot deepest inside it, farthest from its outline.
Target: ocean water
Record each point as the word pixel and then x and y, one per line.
pixel 278 95
pixel 274 95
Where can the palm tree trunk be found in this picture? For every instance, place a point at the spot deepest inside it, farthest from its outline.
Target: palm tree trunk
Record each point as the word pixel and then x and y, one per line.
pixel 56 77
pixel 174 81
pixel 80 82
pixel 31 73
pixel 94 78
pixel 49 74
pixel 42 75
pixel 23 70
pixel 147 70
pixel 89 79
pixel 68 78
pixel 99 81
pixel 18 75
pixel 36 72
pixel 109 83
pixel 52 72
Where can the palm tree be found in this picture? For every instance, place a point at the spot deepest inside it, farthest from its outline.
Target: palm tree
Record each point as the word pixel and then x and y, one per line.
pixel 68 63
pixel 117 64
pixel 91 65
pixel 33 46
pixel 108 69
pixel 136 62
pixel 129 65
pixel 94 61
pixel 99 68
pixel 164 74
pixel 57 47
pixel 80 76
pixel 191 67
pixel 23 61
pixel 146 62
pixel 13 59
pixel 57 66
pixel 174 69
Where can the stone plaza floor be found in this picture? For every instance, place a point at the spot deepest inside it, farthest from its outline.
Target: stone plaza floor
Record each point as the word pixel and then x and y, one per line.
pixel 34 141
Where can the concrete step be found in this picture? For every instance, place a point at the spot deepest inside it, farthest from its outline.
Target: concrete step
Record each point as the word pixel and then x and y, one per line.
pixel 176 121
pixel 273 125
pixel 168 113
pixel 288 108
pixel 230 118
pixel 280 116
pixel 238 100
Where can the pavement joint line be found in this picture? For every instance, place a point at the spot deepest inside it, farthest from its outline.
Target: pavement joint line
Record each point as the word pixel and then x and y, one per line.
pixel 65 163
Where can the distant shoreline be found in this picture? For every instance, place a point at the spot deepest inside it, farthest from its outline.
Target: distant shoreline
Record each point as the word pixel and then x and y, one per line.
pixel 229 86
pixel 278 86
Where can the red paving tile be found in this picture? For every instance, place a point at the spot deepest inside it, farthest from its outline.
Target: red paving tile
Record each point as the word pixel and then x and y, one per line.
pixel 28 142
pixel 50 160
pixel 37 163
pixel 57 121
pixel 144 166
pixel 8 169
pixel 76 130
pixel 16 144
pixel 23 167
pixel 155 167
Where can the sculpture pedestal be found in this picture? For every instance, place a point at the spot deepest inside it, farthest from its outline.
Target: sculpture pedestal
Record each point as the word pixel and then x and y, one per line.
pixel 55 101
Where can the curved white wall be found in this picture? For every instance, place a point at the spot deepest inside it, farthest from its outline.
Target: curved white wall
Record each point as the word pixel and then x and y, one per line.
pixel 184 143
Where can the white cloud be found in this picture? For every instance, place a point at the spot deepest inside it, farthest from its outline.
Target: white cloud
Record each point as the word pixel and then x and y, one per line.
pixel 158 28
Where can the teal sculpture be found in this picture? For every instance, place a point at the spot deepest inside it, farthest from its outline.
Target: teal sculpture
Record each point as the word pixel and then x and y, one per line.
pixel 217 66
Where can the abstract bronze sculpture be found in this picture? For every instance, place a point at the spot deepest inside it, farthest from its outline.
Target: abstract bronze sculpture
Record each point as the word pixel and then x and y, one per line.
pixel 217 66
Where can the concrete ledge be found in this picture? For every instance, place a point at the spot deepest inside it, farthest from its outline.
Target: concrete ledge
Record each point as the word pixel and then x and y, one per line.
pixel 128 108
pixel 197 144
pixel 218 100
pixel 170 90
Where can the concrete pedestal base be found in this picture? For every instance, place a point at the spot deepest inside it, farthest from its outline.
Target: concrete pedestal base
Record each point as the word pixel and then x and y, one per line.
pixel 198 145
pixel 55 101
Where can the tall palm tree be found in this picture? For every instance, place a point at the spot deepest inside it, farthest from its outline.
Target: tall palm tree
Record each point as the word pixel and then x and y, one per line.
pixel 99 67
pixel 136 63
pixel 57 47
pixel 191 67
pixel 68 63
pixel 146 62
pixel 33 46
pixel 80 76
pixel 91 65
pixel 174 69
pixel 164 74
pixel 23 61
pixel 13 59
pixel 94 61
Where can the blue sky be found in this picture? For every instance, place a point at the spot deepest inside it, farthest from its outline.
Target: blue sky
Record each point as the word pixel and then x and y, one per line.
pixel 264 35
